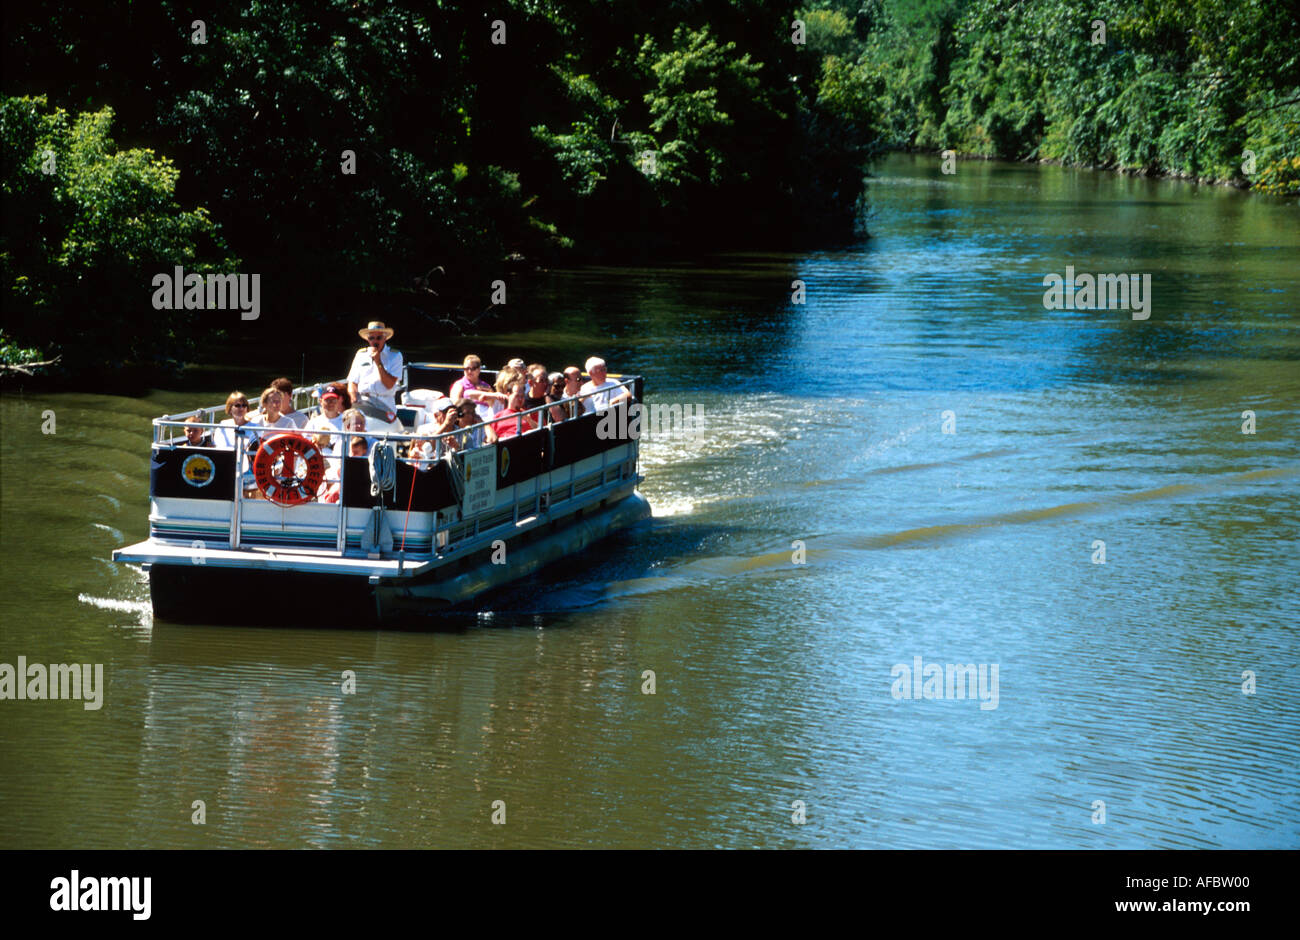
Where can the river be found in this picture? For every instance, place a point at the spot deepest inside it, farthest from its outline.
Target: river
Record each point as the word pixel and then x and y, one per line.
pixel 919 464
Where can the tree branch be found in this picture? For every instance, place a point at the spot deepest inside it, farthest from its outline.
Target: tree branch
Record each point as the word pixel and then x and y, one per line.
pixel 26 367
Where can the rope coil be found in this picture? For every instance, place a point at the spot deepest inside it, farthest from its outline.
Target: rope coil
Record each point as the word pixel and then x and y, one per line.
pixel 383 469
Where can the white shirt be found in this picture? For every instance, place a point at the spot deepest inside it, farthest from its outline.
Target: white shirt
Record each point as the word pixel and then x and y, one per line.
pixel 366 375
pixel 599 401
pixel 258 419
pixel 224 436
pixel 487 410
pixel 298 418
pixel 327 425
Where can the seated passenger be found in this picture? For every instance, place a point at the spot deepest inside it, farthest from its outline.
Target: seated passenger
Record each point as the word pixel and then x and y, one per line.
pixel 328 491
pixel 345 400
pixel 236 425
pixel 607 392
pixel 298 419
pixel 271 416
pixel 535 392
pixel 508 422
pixel 572 388
pixel 196 437
pixel 446 417
pixel 471 433
pixel 329 419
pixel 354 420
pixel 490 408
pixel 555 395
pixel 471 385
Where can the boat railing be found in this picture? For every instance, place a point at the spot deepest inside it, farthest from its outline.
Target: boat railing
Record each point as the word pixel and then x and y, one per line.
pixel 181 420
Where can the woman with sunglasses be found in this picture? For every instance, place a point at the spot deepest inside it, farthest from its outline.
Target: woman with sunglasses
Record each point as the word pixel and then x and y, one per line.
pixel 472 386
pixel 232 427
pixel 238 426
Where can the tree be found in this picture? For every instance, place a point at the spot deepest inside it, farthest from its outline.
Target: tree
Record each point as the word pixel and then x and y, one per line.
pixel 86 227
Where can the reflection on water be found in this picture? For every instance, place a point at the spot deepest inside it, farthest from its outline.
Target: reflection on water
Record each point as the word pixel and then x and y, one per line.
pixel 826 529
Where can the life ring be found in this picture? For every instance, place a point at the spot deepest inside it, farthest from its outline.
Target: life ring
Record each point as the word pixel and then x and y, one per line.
pixel 275 470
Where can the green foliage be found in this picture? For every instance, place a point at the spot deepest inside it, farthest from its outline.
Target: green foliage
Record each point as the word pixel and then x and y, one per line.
pixel 1177 87
pixel 11 352
pixel 86 227
pixel 699 84
pixel 829 32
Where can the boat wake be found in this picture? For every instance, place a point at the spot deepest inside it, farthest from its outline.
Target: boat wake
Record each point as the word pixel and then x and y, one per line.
pixel 840 546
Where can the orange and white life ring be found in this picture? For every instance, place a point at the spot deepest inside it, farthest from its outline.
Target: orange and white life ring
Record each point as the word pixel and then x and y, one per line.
pixel 276 470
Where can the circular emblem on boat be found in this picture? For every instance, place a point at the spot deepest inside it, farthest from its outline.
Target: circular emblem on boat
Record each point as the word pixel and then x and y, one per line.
pixel 198 470
pixel 505 462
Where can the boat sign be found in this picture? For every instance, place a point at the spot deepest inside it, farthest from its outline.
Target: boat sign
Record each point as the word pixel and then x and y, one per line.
pixel 480 481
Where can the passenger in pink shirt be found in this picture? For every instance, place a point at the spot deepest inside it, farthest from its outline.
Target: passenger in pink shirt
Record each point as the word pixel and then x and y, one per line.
pixel 506 423
pixel 473 387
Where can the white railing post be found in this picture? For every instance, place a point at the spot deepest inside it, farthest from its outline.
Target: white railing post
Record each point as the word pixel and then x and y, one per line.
pixel 236 511
pixel 341 543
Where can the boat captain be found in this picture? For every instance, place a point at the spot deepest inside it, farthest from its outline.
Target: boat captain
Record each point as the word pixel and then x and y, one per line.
pixel 376 368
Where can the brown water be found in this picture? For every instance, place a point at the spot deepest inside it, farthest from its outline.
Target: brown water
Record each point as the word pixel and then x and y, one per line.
pixel 1120 682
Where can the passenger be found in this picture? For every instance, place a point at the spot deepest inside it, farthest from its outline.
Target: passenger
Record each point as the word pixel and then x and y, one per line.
pixel 359 448
pixel 471 432
pixel 422 453
pixel 328 491
pixel 286 405
pixel 555 395
pixel 330 419
pixel 377 369
pixel 196 437
pixel 607 392
pixel 507 423
pixel 535 393
pixel 472 385
pixel 513 373
pixel 354 420
pixel 572 381
pixel 345 400
pixel 446 416
pixel 489 409
pixel 271 415
pixel 236 424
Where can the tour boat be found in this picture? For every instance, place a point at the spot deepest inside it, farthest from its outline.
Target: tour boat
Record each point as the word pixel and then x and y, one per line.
pixel 404 537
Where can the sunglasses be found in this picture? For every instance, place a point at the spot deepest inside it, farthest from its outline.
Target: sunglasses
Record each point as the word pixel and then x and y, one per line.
pixel 240 404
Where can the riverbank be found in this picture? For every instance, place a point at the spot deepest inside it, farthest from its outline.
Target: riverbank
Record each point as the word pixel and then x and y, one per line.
pixel 1140 172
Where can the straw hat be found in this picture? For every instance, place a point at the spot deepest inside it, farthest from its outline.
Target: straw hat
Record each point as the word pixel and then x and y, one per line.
pixel 375 326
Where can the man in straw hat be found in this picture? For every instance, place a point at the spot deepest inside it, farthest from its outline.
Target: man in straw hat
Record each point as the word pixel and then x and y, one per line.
pixel 377 368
